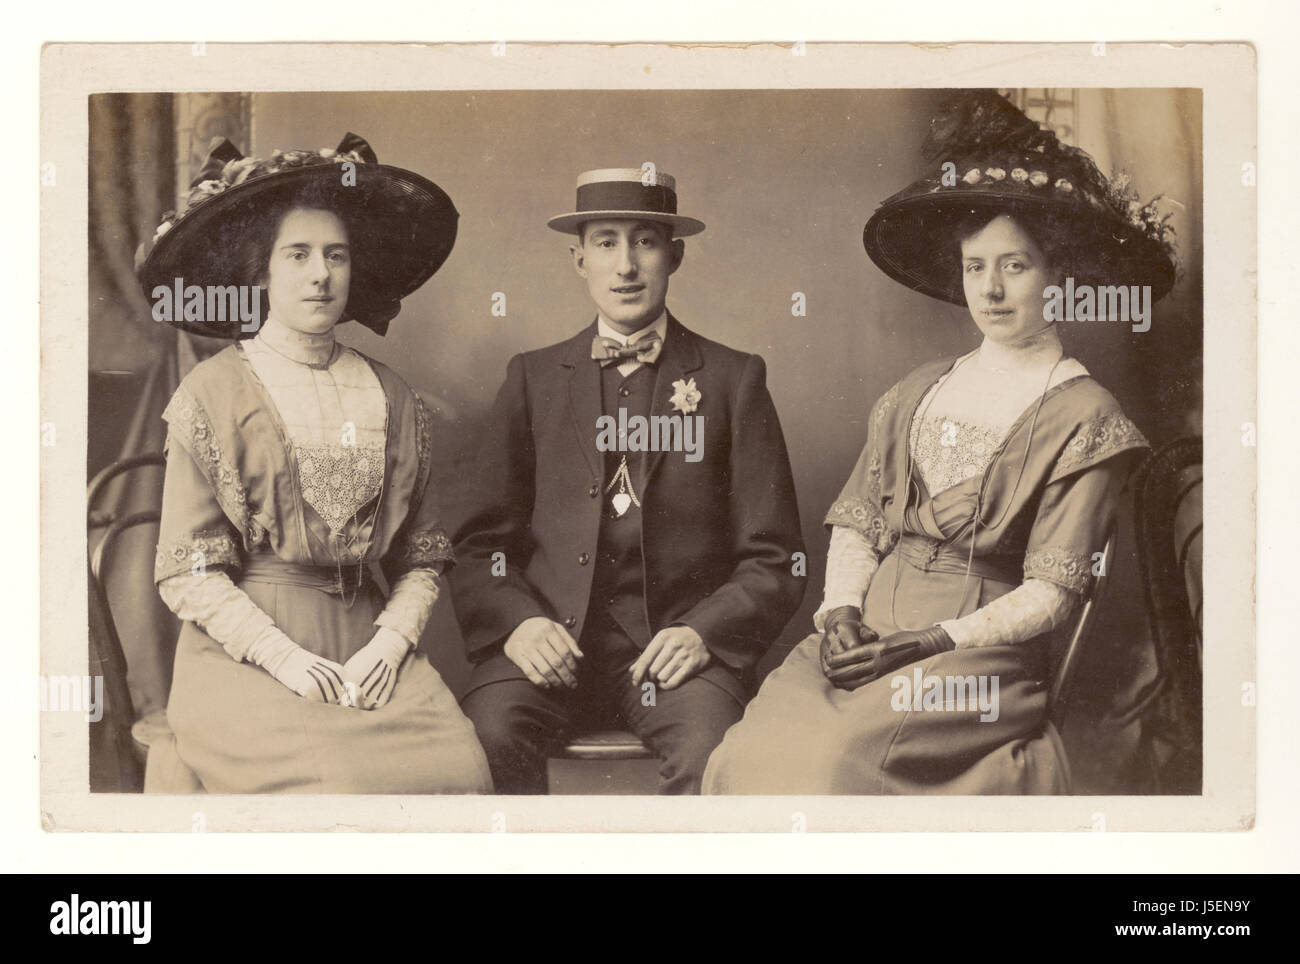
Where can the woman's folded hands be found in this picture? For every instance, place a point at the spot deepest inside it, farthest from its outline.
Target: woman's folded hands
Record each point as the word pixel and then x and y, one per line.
pixel 853 654
pixel 843 631
pixel 310 676
pixel 371 674
pixel 366 680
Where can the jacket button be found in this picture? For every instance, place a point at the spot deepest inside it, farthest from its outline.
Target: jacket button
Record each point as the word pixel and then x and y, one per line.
pixel 625 391
pixel 594 491
pixel 571 621
pixel 584 559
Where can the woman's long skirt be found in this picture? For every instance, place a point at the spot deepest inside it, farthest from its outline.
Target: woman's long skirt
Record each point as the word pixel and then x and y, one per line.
pixel 970 721
pixel 241 731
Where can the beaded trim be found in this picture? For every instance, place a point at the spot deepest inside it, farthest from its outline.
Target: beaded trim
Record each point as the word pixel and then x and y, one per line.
pixel 423 451
pixel 422 550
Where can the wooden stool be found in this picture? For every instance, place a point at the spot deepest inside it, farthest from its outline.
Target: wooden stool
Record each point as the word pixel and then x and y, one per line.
pixel 604 762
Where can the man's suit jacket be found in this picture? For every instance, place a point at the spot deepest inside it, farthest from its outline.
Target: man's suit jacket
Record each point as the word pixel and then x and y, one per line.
pixel 718 535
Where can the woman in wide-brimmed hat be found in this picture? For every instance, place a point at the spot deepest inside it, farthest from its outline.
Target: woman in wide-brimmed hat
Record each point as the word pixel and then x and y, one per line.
pixel 970 527
pixel 294 465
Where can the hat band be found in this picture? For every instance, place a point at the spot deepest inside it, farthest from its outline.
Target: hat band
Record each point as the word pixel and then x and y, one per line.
pixel 626 196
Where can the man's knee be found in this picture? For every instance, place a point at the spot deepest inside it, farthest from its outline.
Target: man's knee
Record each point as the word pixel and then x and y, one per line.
pixel 504 713
pixel 686 743
pixel 515 724
pixel 694 745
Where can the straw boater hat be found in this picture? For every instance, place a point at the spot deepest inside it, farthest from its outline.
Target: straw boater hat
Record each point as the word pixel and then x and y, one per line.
pixel 619 192
pixel 987 156
pixel 407 225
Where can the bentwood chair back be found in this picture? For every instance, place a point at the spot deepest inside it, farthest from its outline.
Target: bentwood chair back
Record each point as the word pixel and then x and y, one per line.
pixel 1071 653
pixel 116 759
pixel 1169 513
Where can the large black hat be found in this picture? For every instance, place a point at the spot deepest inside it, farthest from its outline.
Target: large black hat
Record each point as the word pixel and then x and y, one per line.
pixel 406 222
pixel 988 157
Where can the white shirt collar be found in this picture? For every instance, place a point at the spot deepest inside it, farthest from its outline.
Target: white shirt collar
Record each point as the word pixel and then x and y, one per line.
pixel 305 348
pixel 659 326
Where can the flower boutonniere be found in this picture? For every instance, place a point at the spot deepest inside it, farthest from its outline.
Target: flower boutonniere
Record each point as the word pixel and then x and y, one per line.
pixel 686 397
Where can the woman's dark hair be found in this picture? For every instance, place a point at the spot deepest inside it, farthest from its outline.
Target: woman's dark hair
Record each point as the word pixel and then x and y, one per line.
pixel 1051 235
pixel 1070 250
pixel 249 233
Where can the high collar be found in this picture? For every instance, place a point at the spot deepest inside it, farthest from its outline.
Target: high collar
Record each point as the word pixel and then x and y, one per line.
pixel 659 326
pixel 1029 355
pixel 305 348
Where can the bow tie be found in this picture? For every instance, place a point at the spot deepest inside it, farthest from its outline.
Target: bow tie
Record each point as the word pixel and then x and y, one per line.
pixel 607 351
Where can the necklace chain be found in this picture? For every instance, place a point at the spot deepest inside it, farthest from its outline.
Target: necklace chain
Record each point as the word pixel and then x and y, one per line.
pixel 979 501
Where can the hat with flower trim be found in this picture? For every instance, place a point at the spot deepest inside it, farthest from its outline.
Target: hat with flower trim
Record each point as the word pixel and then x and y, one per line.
pixel 407 226
pixel 988 157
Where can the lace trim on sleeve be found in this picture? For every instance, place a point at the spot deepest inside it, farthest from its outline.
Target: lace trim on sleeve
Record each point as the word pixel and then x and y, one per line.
pixel 1096 440
pixel 198 551
pixel 1064 567
pixel 863 516
pixel 190 424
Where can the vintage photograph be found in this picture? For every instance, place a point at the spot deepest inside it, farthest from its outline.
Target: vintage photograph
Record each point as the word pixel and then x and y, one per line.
pixel 718 442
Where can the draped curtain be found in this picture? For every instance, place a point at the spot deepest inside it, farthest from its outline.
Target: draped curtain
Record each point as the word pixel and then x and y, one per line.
pixel 144 150
pixel 1154 136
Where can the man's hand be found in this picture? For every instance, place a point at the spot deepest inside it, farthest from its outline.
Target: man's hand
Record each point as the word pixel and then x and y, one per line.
pixel 545 651
pixel 673 656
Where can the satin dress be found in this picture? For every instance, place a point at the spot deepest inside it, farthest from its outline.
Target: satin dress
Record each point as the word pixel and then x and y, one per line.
pixel 302 529
pixel 1041 509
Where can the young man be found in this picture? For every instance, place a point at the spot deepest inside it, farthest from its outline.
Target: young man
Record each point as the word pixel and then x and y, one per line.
pixel 630 551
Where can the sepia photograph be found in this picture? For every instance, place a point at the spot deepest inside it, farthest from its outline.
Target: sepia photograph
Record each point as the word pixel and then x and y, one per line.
pixel 831 454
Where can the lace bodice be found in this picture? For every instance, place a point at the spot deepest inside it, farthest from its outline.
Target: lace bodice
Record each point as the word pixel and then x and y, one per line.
pixel 333 407
pixel 962 420
pixel 949 450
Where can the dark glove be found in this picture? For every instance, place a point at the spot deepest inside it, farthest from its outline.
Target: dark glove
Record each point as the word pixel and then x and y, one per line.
pixel 843 631
pixel 853 668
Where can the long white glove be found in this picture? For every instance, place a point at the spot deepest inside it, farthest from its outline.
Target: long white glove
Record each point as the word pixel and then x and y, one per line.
pixel 371 673
pixel 310 676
